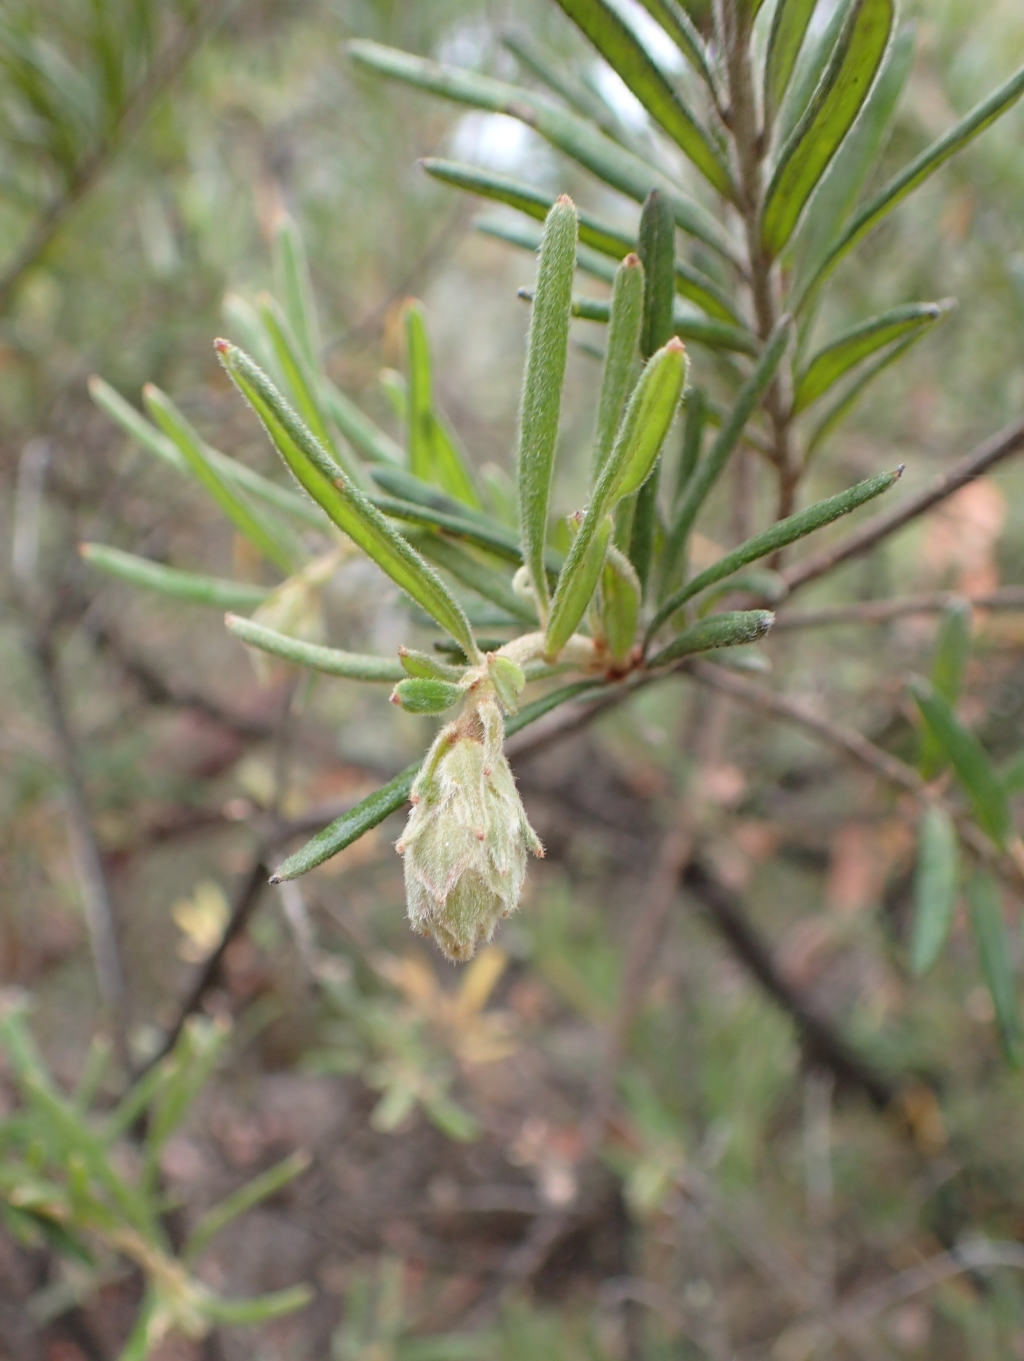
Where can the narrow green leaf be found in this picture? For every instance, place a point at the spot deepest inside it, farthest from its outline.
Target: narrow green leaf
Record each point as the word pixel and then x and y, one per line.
pixel 423 664
pixel 330 660
pixel 935 888
pixel 343 831
pixel 499 541
pixel 477 575
pixel 620 47
pixel 620 359
pixel 835 360
pixel 815 53
pixel 250 525
pixel 594 235
pixel 733 628
pixel 777 536
pixel 350 510
pixel 996 958
pixel 952 652
pixel 451 467
pixel 728 437
pixel 574 594
pixel 716 335
pixel 836 196
pixel 620 604
pixel 420 695
pixel 970 761
pixel 295 289
pixel 571 134
pixel 828 118
pixel 840 408
pixel 419 394
pixel 789 25
pixel 190 586
pixel 405 487
pixel 359 430
pixel 911 176
pixel 645 424
pixel 244 1199
pixel 541 399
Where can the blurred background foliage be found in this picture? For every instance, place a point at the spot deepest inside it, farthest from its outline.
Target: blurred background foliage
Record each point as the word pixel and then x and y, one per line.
pixel 450 1208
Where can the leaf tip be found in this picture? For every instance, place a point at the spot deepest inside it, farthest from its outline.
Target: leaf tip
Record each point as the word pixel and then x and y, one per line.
pixel 222 346
pixel 276 878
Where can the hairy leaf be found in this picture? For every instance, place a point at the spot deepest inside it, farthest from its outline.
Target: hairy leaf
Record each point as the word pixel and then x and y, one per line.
pixel 541 400
pixel 190 586
pixel 330 660
pixel 574 593
pixel 620 604
pixel 620 357
pixel 733 628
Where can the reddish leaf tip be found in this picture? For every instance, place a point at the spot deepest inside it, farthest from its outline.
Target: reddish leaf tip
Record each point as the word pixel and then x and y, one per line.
pixel 222 346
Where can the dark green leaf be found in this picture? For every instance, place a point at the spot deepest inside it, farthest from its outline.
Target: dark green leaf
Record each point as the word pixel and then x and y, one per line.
pixel 622 50
pixel 827 119
pixel 676 22
pixel 912 175
pixel 835 360
pixel 970 761
pixel 935 888
pixel 716 335
pixel 995 956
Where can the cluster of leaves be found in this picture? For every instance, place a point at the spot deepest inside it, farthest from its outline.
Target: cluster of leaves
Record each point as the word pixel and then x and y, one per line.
pixel 81 1179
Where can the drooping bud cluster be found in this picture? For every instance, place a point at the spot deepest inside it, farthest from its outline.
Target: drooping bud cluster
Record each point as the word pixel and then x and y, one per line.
pixel 466 842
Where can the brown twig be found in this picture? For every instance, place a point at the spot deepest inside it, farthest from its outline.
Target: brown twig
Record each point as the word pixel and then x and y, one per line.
pixel 987 455
pixel 821 1042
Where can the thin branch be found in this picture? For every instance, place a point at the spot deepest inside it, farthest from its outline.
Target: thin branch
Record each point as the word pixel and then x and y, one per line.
pixel 881 611
pixel 821 1041
pixel 985 456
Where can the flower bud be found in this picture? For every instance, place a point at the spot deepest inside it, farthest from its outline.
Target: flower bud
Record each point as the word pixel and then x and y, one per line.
pixel 466 841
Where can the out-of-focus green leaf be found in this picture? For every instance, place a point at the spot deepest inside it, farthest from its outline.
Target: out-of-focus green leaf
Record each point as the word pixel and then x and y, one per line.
pixel 789 24
pixel 715 335
pixel 996 958
pixel 573 135
pixel 620 358
pixel 251 526
pixel 245 1198
pixel 935 888
pixel 1012 774
pixel 295 289
pixel 478 576
pixel 952 652
pixel 606 240
pixel 911 176
pixel 262 1309
pixel 345 504
pixel 733 628
pixel 622 50
pixel 190 586
pixel 419 394
pixel 708 471
pixel 359 430
pixel 676 22
pixel 541 401
pixel 330 660
pixel 828 118
pixel 970 761
pixel 834 361
pixel 777 536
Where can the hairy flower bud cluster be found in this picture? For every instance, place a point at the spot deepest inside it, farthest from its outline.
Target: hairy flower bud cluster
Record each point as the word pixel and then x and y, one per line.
pixel 466 842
